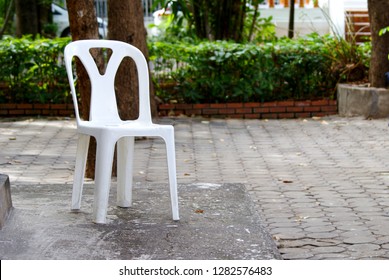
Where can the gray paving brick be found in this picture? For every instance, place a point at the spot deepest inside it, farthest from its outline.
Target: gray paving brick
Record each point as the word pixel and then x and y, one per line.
pixel 304 254
pixel 358 239
pixel 330 256
pixel 320 229
pixel 328 250
pixel 320 235
pixel 365 248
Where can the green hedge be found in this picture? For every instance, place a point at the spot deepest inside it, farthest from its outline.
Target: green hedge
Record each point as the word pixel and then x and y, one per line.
pixel 33 71
pixel 209 72
pixel 307 68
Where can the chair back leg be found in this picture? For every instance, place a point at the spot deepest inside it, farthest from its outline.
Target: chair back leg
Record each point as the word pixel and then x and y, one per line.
pixel 171 161
pixel 125 160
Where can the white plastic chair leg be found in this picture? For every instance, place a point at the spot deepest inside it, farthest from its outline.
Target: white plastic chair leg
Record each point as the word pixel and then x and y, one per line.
pixel 171 160
pixel 78 181
pixel 125 158
pixel 103 171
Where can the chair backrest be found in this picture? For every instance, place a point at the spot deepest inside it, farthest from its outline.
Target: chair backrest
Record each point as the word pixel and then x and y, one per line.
pixel 103 105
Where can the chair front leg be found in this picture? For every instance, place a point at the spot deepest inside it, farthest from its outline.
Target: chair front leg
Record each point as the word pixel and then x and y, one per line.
pixel 125 159
pixel 103 170
pixel 79 172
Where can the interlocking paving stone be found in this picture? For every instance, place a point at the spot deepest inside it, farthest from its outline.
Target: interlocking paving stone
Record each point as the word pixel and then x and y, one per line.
pixel 307 242
pixel 359 239
pixel 304 254
pixel 365 247
pixel 337 164
pixel 320 229
pixel 329 249
pixel 330 256
pixel 322 235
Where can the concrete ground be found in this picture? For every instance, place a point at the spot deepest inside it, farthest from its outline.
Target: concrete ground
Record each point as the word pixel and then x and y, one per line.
pixel 217 223
pixel 320 186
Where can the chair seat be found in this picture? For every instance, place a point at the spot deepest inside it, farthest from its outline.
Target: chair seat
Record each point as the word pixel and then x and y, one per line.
pixel 122 128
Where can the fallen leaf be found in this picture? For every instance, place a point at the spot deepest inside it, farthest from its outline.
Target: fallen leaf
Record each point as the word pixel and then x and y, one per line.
pixel 199 211
pixel 287 181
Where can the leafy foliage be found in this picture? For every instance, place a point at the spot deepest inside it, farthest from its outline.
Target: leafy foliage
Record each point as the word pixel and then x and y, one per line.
pixel 33 70
pixel 237 20
pixel 198 72
pixel 307 68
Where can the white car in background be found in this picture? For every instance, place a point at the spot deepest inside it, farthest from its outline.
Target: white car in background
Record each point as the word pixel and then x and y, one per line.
pixel 61 19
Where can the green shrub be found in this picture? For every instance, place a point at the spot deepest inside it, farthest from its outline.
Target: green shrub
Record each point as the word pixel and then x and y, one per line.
pixel 205 72
pixel 33 70
pixel 306 68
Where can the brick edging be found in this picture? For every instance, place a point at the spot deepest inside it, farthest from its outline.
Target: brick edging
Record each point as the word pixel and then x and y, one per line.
pixel 254 110
pixel 250 110
pixel 16 110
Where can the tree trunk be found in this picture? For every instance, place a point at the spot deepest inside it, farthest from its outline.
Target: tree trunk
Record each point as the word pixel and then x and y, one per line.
pixel 126 24
pixel 83 25
pixel 32 17
pixel 7 18
pixel 44 17
pixel 200 18
pixel 122 23
pixel 251 32
pixel 219 20
pixel 291 20
pixel 26 17
pixel 379 63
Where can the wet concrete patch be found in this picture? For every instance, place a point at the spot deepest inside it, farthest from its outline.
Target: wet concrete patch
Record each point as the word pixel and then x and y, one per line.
pixel 218 221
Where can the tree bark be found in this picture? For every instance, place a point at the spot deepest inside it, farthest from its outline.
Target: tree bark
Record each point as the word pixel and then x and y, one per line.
pixel 26 17
pixel 252 25
pixel 126 24
pixel 7 18
pixel 83 25
pixel 379 63
pixel 44 17
pixel 32 17
pixel 219 20
pixel 291 20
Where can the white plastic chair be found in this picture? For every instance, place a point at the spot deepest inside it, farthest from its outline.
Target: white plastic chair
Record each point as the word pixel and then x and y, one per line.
pixel 108 129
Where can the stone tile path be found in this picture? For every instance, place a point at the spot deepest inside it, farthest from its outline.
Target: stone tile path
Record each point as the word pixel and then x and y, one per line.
pixel 321 185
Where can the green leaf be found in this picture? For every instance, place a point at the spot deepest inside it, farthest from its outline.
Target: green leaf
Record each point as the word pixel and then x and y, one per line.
pixel 383 31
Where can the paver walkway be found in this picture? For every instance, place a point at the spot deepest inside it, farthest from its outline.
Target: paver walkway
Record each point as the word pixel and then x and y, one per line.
pixel 321 185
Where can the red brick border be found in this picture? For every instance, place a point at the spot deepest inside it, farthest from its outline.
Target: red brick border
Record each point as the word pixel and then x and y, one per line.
pixel 18 110
pixel 254 110
pixel 251 110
